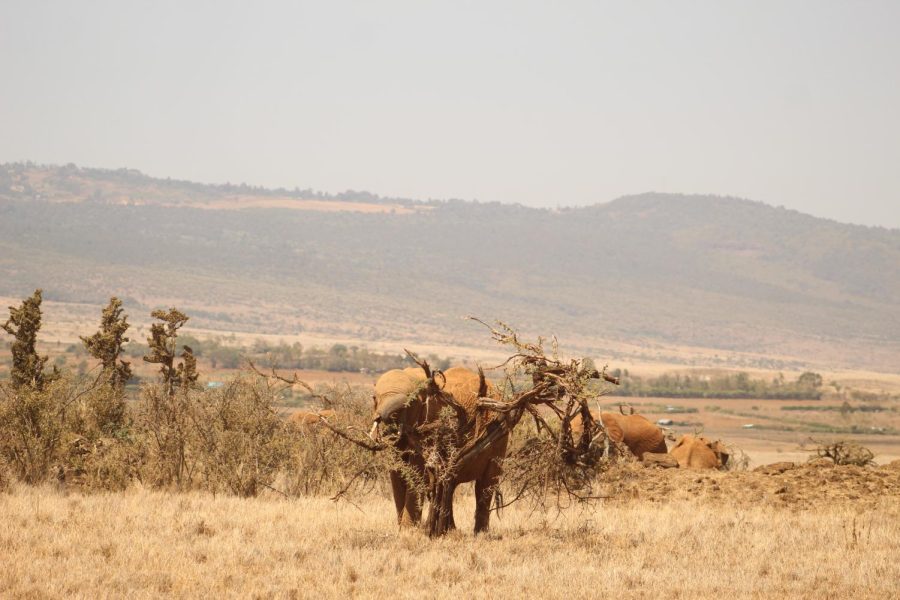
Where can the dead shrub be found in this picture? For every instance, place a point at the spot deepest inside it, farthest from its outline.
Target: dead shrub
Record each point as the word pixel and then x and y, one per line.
pixel 738 460
pixel 229 439
pixel 162 427
pixel 535 472
pixel 33 425
pixel 237 437
pixel 99 464
pixel 323 462
pixel 844 453
pixel 53 432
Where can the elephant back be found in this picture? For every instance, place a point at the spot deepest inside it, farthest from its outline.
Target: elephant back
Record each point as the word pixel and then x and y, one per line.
pixel 464 385
pixel 397 381
pixel 637 432
pixel 415 373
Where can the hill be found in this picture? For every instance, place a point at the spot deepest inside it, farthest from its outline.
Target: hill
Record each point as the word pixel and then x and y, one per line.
pixel 652 273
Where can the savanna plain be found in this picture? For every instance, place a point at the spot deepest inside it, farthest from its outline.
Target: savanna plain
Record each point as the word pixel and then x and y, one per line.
pixel 723 534
pixel 793 530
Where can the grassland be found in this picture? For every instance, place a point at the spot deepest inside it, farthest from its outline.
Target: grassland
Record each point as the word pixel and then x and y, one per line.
pixel 146 544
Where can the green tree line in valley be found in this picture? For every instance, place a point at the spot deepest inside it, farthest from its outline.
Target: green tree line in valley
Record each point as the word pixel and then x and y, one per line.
pixel 808 386
pixel 337 358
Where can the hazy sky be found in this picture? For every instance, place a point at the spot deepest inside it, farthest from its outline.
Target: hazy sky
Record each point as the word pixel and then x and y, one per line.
pixel 550 103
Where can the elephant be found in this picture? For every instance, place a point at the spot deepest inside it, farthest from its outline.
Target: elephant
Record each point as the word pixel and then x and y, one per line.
pixel 635 431
pixel 303 418
pixel 396 391
pixel 403 399
pixel 698 452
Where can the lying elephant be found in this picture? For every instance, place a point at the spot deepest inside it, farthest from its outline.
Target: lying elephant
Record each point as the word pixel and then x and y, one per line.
pixel 697 452
pixel 306 418
pixel 403 399
pixel 635 431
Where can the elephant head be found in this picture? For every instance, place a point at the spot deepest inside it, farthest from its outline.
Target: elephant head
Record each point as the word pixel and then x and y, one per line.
pixel 698 452
pixel 399 398
pixel 722 451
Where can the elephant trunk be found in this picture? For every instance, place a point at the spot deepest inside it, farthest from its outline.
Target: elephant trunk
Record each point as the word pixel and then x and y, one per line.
pixel 387 410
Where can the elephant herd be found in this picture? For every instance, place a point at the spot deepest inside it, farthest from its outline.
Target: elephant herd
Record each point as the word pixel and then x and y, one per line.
pixel 641 436
pixel 404 406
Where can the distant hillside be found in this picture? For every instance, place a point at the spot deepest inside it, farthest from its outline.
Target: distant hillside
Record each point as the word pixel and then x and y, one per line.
pixel 655 268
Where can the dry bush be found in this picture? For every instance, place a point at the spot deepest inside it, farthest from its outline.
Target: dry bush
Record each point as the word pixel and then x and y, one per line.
pixel 844 453
pixel 237 437
pixel 547 463
pixel 738 460
pixel 102 411
pixel 321 461
pixel 163 427
pixel 229 439
pixel 99 451
pixel 536 473
pixel 33 427
pixel 99 463
pixel 58 432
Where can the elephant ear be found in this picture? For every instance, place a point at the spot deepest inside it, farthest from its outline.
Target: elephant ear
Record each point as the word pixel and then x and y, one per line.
pixel 482 383
pixel 722 452
pixel 613 428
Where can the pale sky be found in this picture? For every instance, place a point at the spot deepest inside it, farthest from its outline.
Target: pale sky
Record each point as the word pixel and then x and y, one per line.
pixel 543 103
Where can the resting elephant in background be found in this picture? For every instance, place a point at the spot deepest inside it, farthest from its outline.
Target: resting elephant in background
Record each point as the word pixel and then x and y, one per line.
pixel 635 431
pixel 304 418
pixel 403 399
pixel 697 452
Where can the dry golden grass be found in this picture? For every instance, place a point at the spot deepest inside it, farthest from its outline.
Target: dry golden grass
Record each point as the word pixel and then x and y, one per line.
pixel 149 544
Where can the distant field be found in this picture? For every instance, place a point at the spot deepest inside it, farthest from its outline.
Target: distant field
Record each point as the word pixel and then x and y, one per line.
pixel 777 434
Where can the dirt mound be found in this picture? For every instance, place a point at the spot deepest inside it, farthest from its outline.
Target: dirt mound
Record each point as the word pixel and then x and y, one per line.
pixel 804 486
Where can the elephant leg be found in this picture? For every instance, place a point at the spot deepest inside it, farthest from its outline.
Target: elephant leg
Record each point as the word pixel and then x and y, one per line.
pixel 398 487
pixel 413 507
pixel 414 499
pixel 451 524
pixel 484 493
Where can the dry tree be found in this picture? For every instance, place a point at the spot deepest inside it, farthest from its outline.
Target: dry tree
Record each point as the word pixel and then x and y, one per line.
pixel 35 404
pixel 163 343
pixel 106 407
pixel 842 452
pixel 23 324
pixel 163 411
pixel 553 460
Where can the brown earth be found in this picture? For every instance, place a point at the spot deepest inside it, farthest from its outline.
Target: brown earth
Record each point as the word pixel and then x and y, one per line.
pixel 808 486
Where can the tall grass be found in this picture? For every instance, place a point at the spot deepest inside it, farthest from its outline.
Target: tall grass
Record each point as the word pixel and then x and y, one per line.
pixel 143 543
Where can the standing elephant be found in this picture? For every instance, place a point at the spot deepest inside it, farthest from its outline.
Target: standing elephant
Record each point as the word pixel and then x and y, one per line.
pixel 398 403
pixel 697 452
pixel 635 431
pixel 403 400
